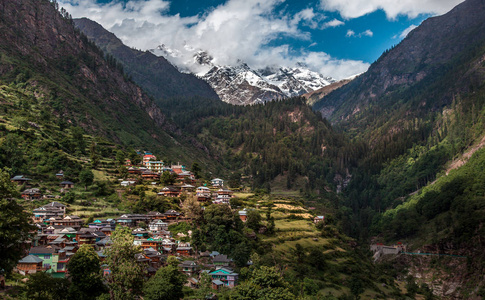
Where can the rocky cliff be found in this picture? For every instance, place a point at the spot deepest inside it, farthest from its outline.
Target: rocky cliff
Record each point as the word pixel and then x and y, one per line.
pixel 41 48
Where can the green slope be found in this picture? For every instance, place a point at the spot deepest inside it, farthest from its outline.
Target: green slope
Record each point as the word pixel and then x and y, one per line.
pixel 74 84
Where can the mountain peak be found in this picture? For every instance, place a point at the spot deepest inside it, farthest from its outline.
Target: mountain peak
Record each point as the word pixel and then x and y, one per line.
pixel 420 60
pixel 241 84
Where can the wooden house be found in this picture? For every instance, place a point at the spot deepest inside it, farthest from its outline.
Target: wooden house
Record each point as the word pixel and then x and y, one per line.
pixel 172 214
pixel 149 175
pixel 221 261
pixel 134 170
pixel 188 267
pixel 60 174
pixel 217 284
pixel 32 194
pixel 169 191
pixel 20 179
pixel 67 184
pixel 318 219
pixel 57 205
pixel 85 238
pixel 154 256
pixel 187 188
pixel 243 215
pixel 29 265
pixel 186 176
pixel 68 221
pixel 203 194
pixel 184 250
pixel 46 212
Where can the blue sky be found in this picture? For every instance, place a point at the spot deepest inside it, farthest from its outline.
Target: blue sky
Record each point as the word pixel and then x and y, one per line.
pixel 338 38
pixel 333 41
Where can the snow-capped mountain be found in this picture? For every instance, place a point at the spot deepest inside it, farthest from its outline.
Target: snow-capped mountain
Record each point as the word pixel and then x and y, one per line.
pixel 295 81
pixel 240 84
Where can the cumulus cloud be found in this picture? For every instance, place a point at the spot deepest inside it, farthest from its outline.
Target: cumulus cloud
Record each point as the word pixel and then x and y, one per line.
pixel 308 17
pixel 333 23
pixel 233 31
pixel 368 32
pixel 407 31
pixel 351 33
pixel 350 9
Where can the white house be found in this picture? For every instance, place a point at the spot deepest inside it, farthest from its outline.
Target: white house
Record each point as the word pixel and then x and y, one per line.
pixel 217 182
pixel 157 226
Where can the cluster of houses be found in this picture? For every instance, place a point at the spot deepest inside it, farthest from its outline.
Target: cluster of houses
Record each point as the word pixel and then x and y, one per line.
pixel 32 194
pixel 217 266
pixel 151 169
pixel 60 235
pixel 203 194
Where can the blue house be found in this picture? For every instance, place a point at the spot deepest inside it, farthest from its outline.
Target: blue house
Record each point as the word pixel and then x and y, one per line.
pixel 225 275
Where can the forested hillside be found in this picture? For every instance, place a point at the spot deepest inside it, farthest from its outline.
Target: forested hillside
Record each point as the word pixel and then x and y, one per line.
pixel 416 109
pixel 71 81
pixel 420 111
pixel 405 161
pixel 31 141
pixel 263 141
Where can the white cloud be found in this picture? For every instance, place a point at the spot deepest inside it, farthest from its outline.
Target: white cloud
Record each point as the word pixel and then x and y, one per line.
pixel 407 31
pixel 368 32
pixel 350 9
pixel 237 29
pixel 333 23
pixel 307 17
pixel 351 33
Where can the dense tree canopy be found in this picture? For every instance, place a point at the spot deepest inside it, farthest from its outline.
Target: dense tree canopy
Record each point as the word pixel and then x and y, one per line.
pixel 84 271
pixel 264 283
pixel 127 275
pixel 222 231
pixel 41 286
pixel 167 283
pixel 14 224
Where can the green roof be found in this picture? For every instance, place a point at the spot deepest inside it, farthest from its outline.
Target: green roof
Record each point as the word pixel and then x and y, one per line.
pixel 30 259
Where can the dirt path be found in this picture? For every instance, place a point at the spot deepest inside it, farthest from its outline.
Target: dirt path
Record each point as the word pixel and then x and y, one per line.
pixel 465 157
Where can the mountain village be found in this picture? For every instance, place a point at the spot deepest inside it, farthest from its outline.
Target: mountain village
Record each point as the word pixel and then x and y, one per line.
pixel 300 185
pixel 60 233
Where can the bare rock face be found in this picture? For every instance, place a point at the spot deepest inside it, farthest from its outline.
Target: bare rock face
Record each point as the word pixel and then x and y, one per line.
pixel 317 95
pixel 83 86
